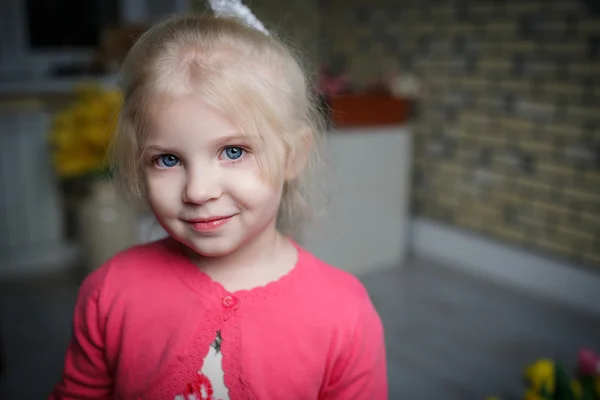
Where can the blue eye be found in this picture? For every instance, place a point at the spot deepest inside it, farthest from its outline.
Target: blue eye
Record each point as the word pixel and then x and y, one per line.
pixel 233 153
pixel 166 161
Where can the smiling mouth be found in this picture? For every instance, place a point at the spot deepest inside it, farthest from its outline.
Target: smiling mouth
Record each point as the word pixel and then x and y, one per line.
pixel 209 224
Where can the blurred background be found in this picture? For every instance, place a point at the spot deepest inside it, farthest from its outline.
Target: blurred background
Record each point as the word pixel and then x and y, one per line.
pixel 464 185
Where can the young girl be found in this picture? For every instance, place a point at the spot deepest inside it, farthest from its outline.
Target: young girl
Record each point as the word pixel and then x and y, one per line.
pixel 218 134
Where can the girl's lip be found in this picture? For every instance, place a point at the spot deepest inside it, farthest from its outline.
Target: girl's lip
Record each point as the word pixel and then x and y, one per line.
pixel 209 224
pixel 208 219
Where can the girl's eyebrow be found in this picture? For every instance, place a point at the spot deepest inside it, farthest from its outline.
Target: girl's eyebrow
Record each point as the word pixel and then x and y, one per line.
pixel 159 149
pixel 229 139
pixel 240 139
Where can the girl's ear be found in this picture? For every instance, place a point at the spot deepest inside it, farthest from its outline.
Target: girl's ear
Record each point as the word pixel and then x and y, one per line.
pixel 297 158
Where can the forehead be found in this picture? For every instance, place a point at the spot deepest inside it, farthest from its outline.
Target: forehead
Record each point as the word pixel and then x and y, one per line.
pixel 188 117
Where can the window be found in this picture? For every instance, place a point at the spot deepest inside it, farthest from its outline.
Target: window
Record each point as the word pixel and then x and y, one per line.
pixel 53 24
pixel 38 35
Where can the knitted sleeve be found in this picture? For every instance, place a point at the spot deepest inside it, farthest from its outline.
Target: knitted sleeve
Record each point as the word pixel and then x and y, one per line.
pixel 86 374
pixel 361 372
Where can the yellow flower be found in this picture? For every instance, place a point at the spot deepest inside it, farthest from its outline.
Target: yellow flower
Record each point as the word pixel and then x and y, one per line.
pixel 81 133
pixel 541 375
pixel 597 385
pixel 68 166
pixel 96 136
pixel 577 389
pixel 532 395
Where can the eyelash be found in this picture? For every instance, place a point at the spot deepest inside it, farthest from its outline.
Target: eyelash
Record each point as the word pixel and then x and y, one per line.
pixel 157 158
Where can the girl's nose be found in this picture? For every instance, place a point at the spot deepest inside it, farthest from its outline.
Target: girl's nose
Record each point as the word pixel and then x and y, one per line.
pixel 201 187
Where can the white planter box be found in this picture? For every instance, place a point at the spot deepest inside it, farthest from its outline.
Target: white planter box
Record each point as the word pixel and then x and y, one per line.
pixel 365 227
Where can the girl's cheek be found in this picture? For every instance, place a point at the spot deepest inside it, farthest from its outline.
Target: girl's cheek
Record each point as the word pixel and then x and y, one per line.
pixel 161 180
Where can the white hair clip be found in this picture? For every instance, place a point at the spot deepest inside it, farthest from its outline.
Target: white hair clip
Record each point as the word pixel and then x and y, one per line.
pixel 235 8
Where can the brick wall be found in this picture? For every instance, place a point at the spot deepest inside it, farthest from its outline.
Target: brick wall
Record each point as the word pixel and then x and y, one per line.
pixel 507 142
pixel 298 22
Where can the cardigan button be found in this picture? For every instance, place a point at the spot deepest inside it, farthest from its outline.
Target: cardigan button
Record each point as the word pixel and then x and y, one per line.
pixel 229 301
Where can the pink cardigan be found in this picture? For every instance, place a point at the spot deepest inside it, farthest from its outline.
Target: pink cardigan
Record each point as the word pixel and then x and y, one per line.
pixel 145 320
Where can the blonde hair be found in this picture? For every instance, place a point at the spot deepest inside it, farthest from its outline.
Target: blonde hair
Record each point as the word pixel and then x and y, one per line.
pixel 242 72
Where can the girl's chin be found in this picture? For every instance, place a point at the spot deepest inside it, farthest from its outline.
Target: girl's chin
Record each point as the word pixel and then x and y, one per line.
pixel 210 247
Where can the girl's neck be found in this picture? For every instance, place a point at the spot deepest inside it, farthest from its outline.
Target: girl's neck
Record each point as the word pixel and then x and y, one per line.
pixel 262 260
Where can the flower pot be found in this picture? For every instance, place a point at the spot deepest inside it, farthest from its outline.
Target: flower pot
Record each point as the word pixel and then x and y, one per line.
pixel 354 110
pixel 107 224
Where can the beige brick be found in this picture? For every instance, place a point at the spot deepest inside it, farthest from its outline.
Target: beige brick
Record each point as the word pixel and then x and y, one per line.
pixel 484 211
pixel 508 29
pixel 500 165
pixel 430 87
pixel 470 129
pixel 585 69
pixel 428 100
pixel 581 114
pixel 439 65
pixel 425 29
pixel 440 80
pixel 592 258
pixel 469 222
pixel 553 247
pixel 492 139
pixel 582 195
pixel 447 182
pixel 516 8
pixel 463 156
pixel 448 202
pixel 593 180
pixel 481 10
pixel 588 27
pixel 449 168
pixel 518 126
pixel 361 31
pixel 575 237
pixel 427 66
pixel 548 172
pixel 510 197
pixel 468 217
pixel 410 13
pixel 544 209
pixel 348 45
pixel 461 29
pixel 498 65
pixel 563 89
pixel 494 49
pixel 473 118
pixel 542 189
pixel 572 48
pixel 563 130
pixel 590 222
pixel 443 11
pixel 536 146
pixel 519 46
pixel 520 86
pixel 378 50
pixel 474 83
pixel 508 233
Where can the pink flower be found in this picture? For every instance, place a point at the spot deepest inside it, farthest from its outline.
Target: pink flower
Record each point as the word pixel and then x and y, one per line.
pixel 332 85
pixel 588 363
